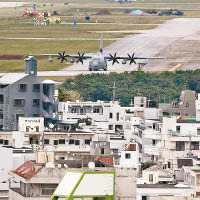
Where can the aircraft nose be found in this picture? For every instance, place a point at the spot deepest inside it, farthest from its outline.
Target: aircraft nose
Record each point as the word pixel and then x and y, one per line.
pixel 95 64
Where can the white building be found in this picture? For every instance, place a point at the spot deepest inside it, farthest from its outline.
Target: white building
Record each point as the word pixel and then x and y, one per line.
pixel 174 139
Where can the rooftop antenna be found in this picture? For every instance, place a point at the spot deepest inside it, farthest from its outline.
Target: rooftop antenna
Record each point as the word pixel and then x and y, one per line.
pixel 101 44
pixel 114 91
pixel 131 104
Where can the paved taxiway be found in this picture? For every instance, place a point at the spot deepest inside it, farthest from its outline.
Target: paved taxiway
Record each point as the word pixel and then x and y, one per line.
pixel 177 40
pixel 166 41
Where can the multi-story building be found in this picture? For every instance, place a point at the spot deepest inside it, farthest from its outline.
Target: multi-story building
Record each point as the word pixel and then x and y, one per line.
pixel 173 140
pixel 25 94
pixel 184 107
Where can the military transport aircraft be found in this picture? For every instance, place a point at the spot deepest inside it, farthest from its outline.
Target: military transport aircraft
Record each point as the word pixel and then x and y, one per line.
pixel 97 61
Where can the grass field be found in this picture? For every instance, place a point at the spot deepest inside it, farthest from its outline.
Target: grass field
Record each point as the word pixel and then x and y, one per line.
pixel 15 26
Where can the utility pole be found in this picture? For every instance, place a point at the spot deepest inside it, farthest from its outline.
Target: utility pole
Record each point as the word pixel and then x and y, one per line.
pixel 131 104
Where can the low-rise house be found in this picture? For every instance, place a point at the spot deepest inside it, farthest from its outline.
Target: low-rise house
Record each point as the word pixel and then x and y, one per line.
pixel 157 175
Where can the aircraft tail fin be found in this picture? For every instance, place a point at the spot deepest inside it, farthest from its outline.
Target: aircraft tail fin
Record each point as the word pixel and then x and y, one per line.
pixel 101 43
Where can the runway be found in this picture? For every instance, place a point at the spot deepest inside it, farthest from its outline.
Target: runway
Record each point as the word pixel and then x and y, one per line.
pixel 167 40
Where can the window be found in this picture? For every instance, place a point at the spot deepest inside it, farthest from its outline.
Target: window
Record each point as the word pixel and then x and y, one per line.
pixel 22 87
pixel 110 115
pixel 55 142
pixel 87 141
pixel 1 141
pixel 150 177
pixel 102 151
pixel 186 104
pixel 19 102
pixel 115 151
pixel 46 141
pixel 36 87
pixel 73 110
pixel 36 102
pixel 27 128
pixel 194 145
pixel 169 165
pixel 6 142
pixel 178 128
pixel 165 113
pixel 154 142
pixel 37 128
pixel 127 155
pixel 71 141
pixel 47 191
pixel 198 131
pixel 61 141
pixel 110 127
pixel 81 110
pixel 96 110
pixel 198 179
pixel 36 115
pixel 1 99
pixel 1 116
pixel 77 142
pixel 117 117
pixel 180 146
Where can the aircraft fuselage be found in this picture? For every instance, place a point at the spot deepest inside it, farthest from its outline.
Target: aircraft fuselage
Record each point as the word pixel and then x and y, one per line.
pixel 97 62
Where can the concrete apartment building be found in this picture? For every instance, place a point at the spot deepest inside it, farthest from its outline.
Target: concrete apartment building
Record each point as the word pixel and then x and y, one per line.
pixel 25 94
pixel 173 140
pixel 107 115
pixel 184 107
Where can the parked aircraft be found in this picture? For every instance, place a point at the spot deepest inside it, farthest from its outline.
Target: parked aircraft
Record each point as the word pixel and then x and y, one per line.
pixel 97 61
pixel 31 13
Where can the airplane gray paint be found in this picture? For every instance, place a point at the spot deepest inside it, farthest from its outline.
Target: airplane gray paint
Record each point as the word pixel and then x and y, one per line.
pixel 98 61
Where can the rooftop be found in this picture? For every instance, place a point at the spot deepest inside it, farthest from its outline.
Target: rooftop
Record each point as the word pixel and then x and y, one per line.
pixel 12 78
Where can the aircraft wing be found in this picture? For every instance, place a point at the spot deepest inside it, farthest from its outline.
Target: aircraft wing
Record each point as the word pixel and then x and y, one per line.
pixel 64 56
pixel 114 58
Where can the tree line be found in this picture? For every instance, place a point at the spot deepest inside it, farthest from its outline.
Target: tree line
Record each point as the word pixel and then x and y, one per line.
pixel 159 87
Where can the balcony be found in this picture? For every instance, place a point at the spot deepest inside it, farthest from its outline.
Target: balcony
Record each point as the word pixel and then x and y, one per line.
pixel 45 99
pixel 73 148
pixel 152 150
pixel 15 193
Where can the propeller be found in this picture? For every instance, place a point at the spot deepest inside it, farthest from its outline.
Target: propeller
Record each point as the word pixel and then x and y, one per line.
pixel 62 56
pixel 80 58
pixel 113 59
pixel 131 58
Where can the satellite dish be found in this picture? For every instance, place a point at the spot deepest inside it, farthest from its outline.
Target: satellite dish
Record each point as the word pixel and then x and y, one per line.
pixel 50 165
pixel 91 165
pixel 51 125
pixel 66 166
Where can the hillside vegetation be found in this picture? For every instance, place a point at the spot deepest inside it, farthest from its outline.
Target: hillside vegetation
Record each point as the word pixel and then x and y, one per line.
pixel 160 87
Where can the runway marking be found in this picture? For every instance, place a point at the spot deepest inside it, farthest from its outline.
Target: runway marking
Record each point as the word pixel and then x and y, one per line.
pixel 174 68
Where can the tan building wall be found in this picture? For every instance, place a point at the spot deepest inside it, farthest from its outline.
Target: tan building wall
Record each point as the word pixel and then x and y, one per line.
pixel 125 184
